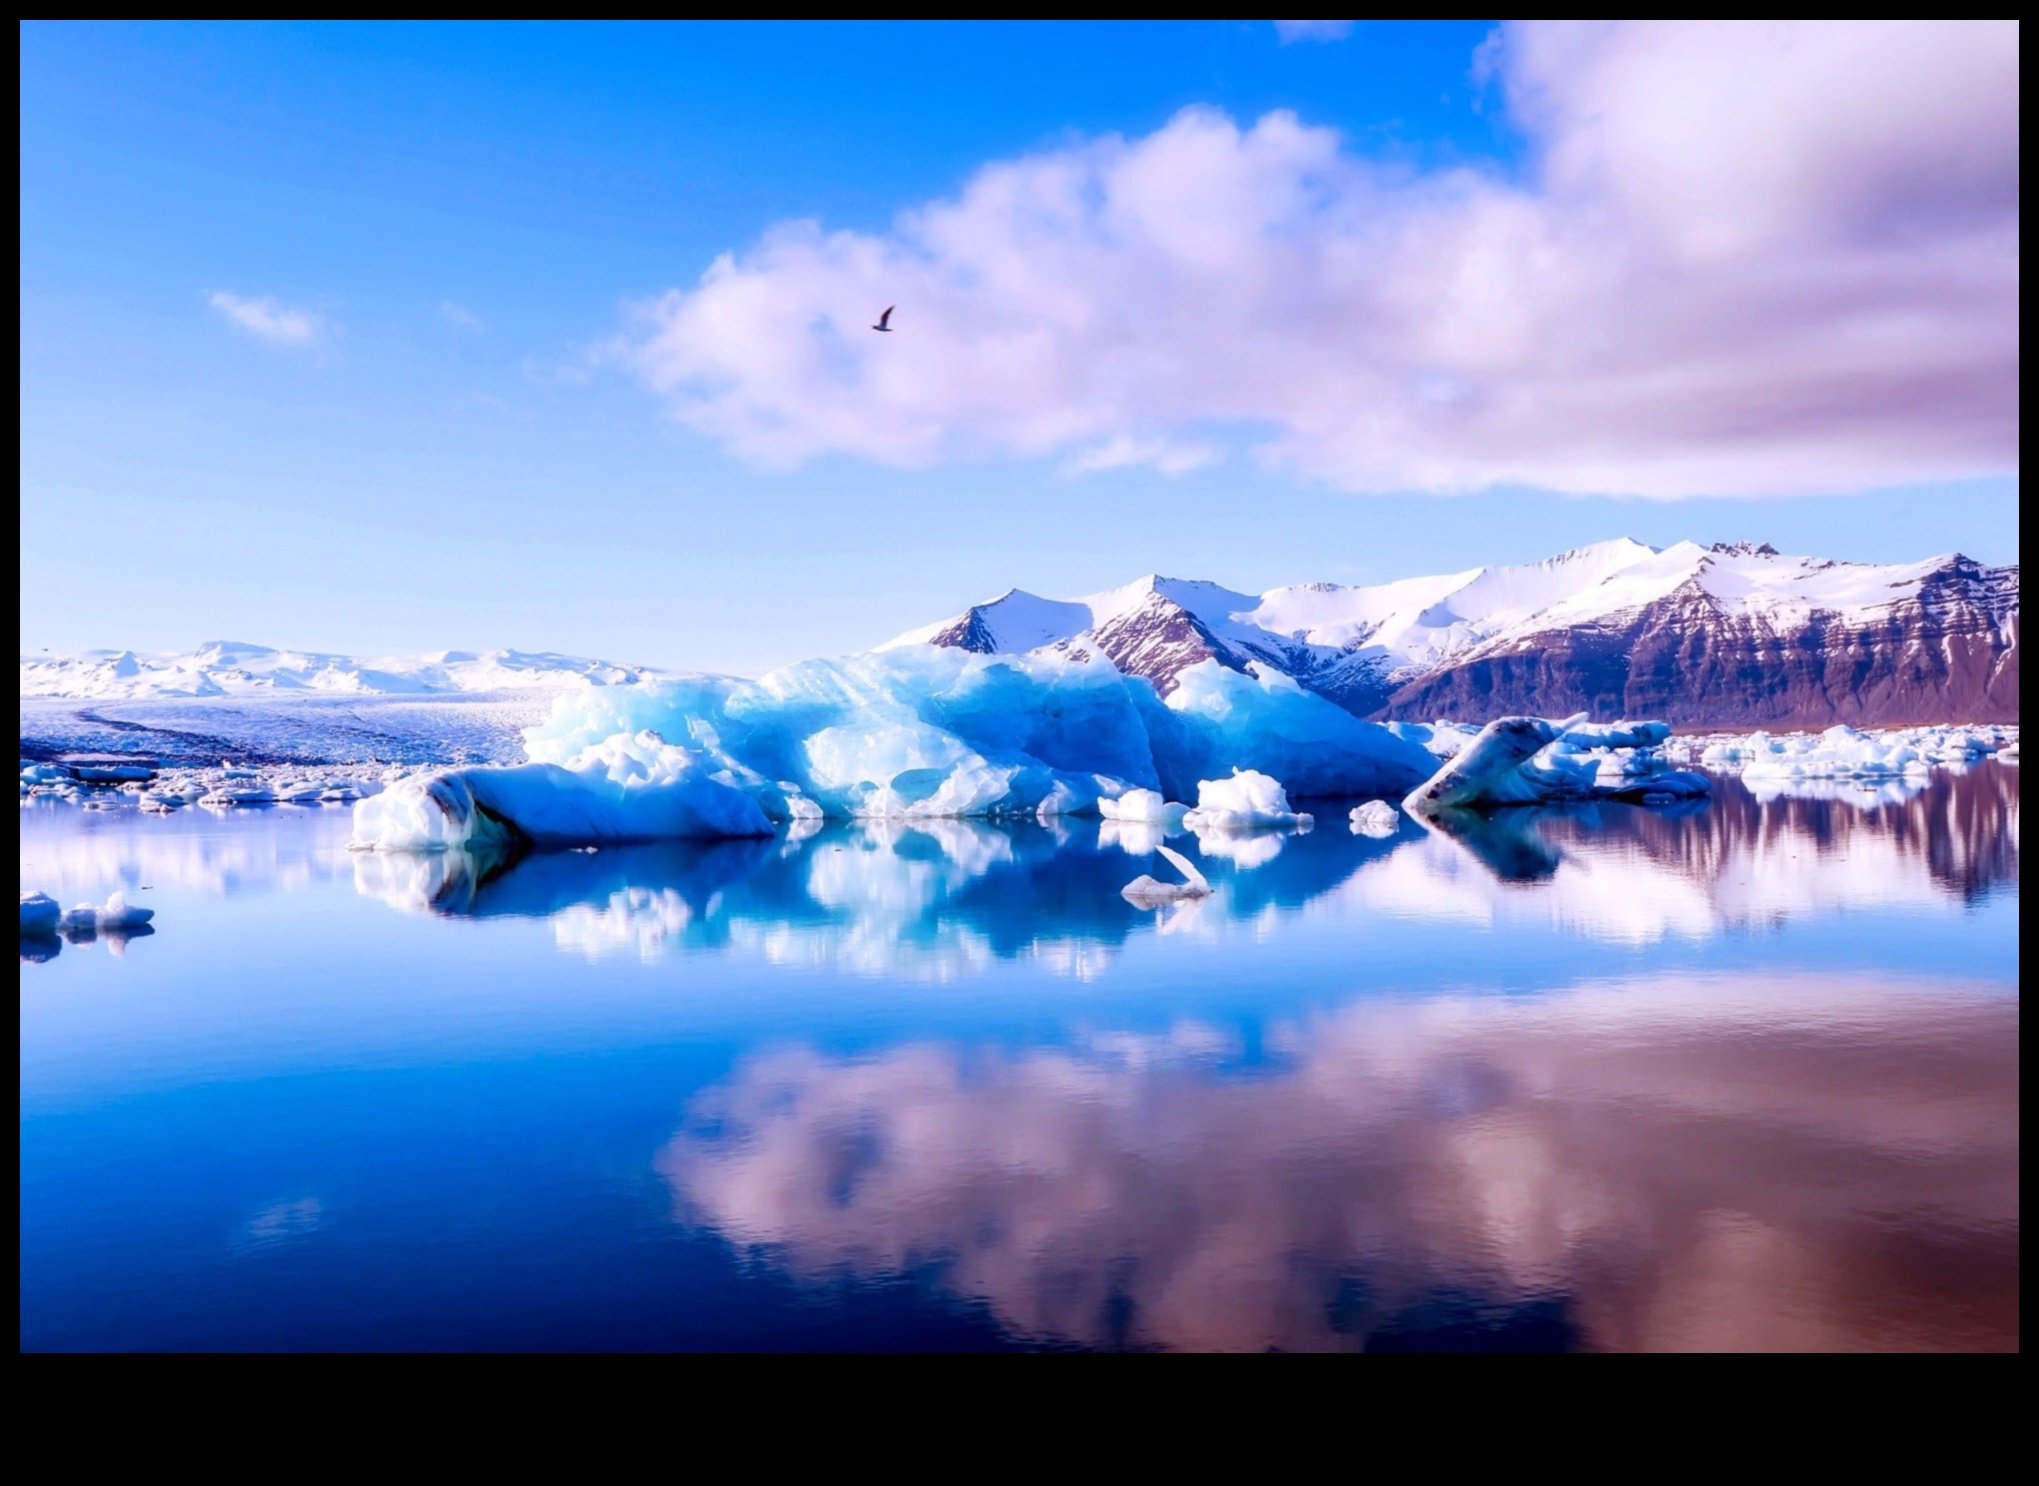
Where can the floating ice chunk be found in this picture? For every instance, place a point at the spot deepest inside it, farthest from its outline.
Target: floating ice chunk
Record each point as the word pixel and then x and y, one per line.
pixel 1842 752
pixel 1524 760
pixel 1144 806
pixel 1246 801
pixel 39 913
pixel 1580 737
pixel 1376 818
pixel 1488 770
pixel 1838 753
pixel 220 797
pixel 1147 892
pixel 116 915
pixel 629 788
pixel 111 773
pixel 44 773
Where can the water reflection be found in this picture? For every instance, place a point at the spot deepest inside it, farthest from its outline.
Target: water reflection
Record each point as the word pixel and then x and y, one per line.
pixel 1681 1163
pixel 936 899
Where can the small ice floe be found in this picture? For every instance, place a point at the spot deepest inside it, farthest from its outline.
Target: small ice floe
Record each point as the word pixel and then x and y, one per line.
pixel 39 913
pixel 222 798
pixel 44 774
pixel 1146 892
pixel 111 917
pixel 1248 801
pixel 1376 818
pixel 1143 807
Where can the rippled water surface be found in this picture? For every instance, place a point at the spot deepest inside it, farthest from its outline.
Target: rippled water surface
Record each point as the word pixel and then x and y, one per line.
pixel 1745 1077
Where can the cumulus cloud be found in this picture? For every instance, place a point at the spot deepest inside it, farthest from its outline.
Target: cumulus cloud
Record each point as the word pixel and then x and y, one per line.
pixel 1126 452
pixel 1291 32
pixel 1744 258
pixel 272 320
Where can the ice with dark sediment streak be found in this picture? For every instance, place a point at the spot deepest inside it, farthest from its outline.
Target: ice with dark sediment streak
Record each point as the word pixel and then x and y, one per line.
pixel 1532 760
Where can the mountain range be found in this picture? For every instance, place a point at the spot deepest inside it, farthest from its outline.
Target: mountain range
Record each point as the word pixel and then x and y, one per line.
pixel 223 668
pixel 1728 635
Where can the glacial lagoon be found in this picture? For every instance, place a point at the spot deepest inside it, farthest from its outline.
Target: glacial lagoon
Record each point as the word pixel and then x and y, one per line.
pixel 1737 1074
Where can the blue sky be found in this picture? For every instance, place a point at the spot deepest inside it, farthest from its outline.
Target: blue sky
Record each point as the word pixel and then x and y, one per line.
pixel 336 337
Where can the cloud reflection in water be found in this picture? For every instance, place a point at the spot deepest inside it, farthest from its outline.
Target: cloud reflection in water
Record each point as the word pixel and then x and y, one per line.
pixel 1790 1163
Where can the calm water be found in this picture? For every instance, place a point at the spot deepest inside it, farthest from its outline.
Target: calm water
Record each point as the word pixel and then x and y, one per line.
pixel 1746 1077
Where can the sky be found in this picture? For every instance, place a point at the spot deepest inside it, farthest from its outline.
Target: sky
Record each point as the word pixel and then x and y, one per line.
pixel 399 338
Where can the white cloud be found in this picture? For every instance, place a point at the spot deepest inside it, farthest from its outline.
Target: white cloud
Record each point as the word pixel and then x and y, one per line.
pixel 461 318
pixel 1759 257
pixel 272 320
pixel 1126 452
pixel 1291 32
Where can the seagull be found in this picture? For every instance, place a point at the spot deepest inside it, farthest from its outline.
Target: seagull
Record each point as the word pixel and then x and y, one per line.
pixel 885 320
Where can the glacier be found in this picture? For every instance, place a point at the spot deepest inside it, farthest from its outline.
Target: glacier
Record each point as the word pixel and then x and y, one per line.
pixel 918 733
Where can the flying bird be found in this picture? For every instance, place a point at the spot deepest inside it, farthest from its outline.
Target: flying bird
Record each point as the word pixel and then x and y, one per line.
pixel 885 320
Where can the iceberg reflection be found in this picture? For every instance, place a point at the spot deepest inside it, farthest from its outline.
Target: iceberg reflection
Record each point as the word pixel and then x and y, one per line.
pixel 1688 1163
pixel 936 898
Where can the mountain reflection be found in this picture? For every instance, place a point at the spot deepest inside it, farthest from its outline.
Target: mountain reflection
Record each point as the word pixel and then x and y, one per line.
pixel 1682 1163
pixel 937 898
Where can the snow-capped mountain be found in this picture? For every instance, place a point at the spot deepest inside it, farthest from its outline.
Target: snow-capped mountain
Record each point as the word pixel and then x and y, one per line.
pixel 225 668
pixel 1721 635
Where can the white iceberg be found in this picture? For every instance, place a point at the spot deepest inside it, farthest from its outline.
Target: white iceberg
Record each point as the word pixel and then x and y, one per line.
pixel 1249 800
pixel 1376 818
pixel 1148 892
pixel 1143 807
